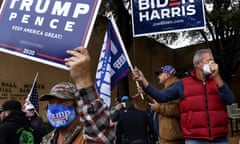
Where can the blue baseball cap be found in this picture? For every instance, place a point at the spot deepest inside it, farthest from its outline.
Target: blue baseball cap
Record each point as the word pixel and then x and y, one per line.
pixel 124 98
pixel 166 69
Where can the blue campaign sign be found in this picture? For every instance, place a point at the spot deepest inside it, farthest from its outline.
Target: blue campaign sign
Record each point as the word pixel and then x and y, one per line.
pixel 43 30
pixel 164 16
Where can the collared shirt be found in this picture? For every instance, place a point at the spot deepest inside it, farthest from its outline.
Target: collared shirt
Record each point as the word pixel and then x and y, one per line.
pixel 95 116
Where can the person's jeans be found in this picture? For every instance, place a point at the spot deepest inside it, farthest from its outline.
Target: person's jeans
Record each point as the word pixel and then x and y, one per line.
pixel 199 141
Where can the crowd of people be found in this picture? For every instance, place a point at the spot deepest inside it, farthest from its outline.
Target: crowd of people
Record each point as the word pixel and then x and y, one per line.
pixel 203 99
pixel 189 110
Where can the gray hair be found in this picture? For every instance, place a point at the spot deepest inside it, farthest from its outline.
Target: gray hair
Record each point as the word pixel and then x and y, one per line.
pixel 198 55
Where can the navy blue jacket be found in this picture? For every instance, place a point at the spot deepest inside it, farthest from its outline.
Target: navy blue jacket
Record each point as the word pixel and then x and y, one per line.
pixel 133 125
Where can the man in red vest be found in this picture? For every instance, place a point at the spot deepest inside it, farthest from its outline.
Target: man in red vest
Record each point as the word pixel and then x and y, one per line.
pixel 203 99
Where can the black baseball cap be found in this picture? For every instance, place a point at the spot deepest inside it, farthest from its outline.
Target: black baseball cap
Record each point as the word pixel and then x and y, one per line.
pixel 12 105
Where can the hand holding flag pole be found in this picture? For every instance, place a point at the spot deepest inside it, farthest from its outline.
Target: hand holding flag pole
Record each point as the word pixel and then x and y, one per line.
pixel 30 92
pixel 32 97
pixel 124 50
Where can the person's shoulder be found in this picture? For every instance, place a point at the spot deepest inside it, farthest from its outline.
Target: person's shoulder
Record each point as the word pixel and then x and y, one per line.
pixel 38 118
pixel 138 111
pixel 1 126
pixel 8 123
pixel 48 137
pixel 8 127
pixel 178 82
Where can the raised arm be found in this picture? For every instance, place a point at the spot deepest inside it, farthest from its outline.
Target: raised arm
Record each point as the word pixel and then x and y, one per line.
pixel 224 91
pixel 138 75
pixel 160 96
pixel 95 117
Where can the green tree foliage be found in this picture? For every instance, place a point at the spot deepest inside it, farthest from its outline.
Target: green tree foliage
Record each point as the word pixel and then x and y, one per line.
pixel 224 27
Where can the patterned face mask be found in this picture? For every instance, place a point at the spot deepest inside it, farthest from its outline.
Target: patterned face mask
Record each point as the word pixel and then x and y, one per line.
pixel 60 116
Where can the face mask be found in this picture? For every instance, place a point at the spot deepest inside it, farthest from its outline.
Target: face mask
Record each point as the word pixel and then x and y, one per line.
pixel 206 69
pixel 60 116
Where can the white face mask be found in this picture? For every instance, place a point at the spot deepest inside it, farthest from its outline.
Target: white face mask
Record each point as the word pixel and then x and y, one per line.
pixel 206 69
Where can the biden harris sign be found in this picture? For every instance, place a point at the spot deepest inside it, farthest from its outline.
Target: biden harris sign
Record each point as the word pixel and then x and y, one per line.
pixel 42 30
pixel 164 16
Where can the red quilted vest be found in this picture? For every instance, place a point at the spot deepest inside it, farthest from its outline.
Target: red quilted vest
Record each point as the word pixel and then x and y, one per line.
pixel 203 114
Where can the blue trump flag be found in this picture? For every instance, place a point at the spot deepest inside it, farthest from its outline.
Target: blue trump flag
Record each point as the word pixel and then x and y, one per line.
pixel 113 63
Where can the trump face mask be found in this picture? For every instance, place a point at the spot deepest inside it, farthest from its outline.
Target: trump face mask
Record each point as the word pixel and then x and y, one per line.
pixel 60 116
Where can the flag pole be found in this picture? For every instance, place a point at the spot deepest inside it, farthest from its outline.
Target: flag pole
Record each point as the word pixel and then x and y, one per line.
pixel 30 92
pixel 124 49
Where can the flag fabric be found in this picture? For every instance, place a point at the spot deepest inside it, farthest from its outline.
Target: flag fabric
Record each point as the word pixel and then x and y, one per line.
pixel 113 63
pixel 34 97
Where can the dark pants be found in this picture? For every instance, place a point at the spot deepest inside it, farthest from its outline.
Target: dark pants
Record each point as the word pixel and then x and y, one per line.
pixel 134 141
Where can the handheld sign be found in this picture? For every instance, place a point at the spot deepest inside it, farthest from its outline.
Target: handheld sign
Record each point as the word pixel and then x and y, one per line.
pixel 164 16
pixel 42 30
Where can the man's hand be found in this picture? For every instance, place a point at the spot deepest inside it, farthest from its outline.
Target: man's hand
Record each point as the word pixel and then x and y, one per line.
pixel 215 72
pixel 79 64
pixel 137 75
pixel 119 106
pixel 154 105
pixel 214 68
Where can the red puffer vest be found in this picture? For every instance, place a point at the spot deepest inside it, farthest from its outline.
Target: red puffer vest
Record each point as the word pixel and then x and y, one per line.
pixel 203 114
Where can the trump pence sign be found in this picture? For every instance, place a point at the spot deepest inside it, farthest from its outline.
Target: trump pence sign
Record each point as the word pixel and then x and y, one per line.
pixel 42 30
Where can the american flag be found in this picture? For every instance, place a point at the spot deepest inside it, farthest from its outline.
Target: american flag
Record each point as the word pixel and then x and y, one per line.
pixel 34 97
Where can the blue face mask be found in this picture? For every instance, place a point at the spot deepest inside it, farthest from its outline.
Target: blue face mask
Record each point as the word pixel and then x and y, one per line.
pixel 60 116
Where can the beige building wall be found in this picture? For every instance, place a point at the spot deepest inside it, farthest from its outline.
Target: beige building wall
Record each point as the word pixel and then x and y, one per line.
pixel 148 55
pixel 17 74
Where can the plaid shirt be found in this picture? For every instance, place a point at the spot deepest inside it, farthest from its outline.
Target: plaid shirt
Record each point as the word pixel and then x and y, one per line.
pixel 95 117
